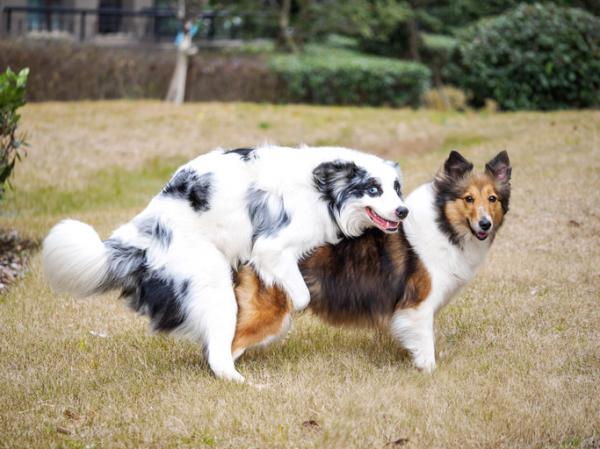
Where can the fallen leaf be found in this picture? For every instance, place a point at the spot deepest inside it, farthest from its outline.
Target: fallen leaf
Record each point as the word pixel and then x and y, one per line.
pixel 70 414
pixel 63 430
pixel 311 424
pixel 398 442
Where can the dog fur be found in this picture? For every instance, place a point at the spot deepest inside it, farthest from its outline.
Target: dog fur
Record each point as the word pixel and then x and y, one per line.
pixel 397 281
pixel 267 206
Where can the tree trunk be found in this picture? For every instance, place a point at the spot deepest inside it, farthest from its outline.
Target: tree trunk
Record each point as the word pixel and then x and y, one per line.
pixel 285 39
pixel 413 39
pixel 176 93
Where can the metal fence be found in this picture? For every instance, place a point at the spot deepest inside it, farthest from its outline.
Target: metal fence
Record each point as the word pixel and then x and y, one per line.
pixel 144 25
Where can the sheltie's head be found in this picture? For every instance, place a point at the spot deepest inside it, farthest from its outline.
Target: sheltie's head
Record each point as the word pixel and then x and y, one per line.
pixel 472 205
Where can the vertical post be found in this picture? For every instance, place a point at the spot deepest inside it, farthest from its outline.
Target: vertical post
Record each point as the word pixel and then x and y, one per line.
pixel 48 19
pixel 82 26
pixel 8 20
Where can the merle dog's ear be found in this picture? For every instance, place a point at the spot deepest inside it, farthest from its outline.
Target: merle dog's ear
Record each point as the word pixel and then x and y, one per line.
pixel 456 166
pixel 499 167
pixel 328 173
pixel 396 166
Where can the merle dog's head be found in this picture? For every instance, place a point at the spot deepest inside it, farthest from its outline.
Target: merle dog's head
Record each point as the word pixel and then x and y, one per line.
pixel 362 195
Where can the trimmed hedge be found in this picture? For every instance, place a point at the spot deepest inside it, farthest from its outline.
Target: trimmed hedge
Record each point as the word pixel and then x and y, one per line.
pixel 533 57
pixel 69 71
pixel 333 76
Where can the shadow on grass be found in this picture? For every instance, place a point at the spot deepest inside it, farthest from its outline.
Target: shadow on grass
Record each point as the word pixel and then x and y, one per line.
pixel 163 355
pixel 311 342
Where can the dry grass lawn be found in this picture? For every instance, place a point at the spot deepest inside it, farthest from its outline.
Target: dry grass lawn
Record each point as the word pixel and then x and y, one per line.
pixel 518 350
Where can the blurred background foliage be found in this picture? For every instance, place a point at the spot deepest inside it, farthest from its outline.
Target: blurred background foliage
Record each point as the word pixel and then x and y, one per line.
pixel 12 97
pixel 517 54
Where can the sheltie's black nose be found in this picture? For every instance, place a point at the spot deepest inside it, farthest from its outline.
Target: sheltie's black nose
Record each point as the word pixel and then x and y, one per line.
pixel 402 212
pixel 485 224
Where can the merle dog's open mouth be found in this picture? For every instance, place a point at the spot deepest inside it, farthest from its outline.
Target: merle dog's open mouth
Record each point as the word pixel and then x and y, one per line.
pixel 382 223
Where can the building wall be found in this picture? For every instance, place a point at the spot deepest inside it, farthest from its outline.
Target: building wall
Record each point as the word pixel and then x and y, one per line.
pixel 15 20
pixel 24 23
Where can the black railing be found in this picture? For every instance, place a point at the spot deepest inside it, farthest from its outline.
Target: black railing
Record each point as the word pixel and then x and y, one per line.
pixel 143 24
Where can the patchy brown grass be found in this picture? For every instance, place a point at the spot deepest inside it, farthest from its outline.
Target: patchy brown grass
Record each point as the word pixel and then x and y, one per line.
pixel 519 349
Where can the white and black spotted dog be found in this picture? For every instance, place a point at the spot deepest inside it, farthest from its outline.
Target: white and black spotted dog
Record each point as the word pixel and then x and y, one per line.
pixel 268 206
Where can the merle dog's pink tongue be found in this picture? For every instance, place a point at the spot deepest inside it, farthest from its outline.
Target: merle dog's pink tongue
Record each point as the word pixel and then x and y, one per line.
pixel 380 221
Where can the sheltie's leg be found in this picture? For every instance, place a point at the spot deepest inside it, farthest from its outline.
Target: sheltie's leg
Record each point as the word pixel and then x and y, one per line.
pixel 264 313
pixel 413 327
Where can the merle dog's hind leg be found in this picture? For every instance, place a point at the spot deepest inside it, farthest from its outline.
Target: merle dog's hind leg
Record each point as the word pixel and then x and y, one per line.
pixel 220 330
pixel 210 305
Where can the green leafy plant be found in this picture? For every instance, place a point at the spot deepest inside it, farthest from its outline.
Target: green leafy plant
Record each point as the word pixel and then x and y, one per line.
pixel 12 97
pixel 533 57
pixel 335 76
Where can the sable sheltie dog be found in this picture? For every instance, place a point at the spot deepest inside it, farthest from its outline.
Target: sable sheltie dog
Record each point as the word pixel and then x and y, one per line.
pixel 393 281
pixel 267 206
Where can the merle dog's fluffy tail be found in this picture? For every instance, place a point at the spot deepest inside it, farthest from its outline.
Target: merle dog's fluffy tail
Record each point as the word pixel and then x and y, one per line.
pixel 77 261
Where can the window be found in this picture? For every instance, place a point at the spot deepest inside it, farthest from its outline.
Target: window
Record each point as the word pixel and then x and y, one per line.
pixel 109 23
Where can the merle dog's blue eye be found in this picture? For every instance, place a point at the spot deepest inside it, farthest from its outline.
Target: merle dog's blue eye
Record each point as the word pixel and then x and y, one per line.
pixel 373 190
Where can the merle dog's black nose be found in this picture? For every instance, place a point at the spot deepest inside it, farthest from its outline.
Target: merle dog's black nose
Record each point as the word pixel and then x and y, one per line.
pixel 485 224
pixel 402 212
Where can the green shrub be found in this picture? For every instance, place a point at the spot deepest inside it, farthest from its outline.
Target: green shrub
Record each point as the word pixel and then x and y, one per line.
pixel 533 57
pixel 12 97
pixel 334 76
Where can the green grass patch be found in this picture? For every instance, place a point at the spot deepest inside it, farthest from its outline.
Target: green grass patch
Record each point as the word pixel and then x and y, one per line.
pixel 461 141
pixel 109 188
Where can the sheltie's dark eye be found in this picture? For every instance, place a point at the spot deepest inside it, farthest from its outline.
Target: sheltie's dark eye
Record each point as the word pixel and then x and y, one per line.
pixel 469 199
pixel 492 198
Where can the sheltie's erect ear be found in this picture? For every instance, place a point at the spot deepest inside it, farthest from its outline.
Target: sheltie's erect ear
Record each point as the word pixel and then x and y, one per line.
pixel 456 166
pixel 499 168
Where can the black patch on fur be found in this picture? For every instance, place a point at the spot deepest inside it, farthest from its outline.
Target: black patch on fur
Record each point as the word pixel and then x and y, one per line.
pixel 500 170
pixel 357 278
pixel 155 229
pixel 267 213
pixel 245 154
pixel 161 298
pixel 337 181
pixel 187 184
pixel 398 188
pixel 447 188
pixel 126 265
pixel 151 292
